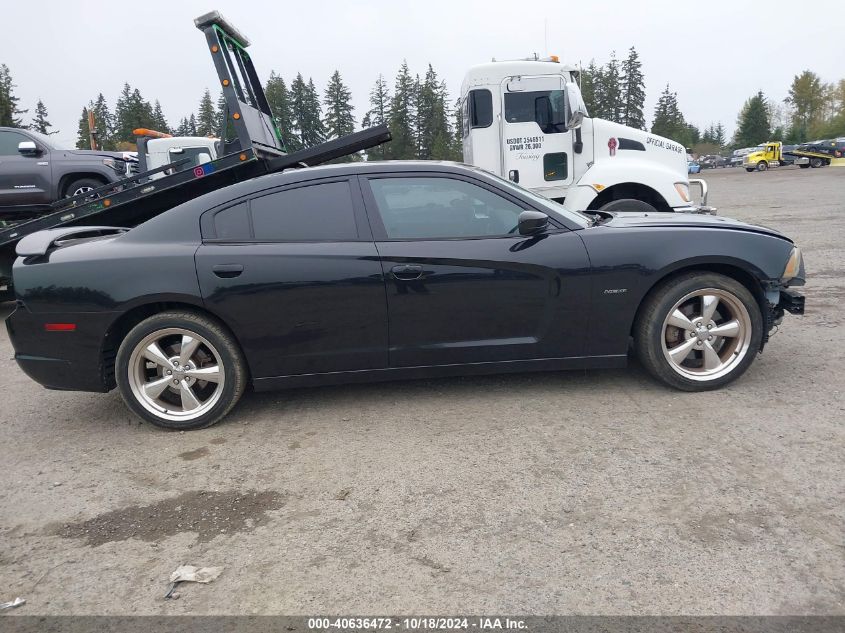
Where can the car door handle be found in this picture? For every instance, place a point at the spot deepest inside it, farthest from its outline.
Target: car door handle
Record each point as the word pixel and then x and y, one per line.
pixel 407 272
pixel 227 271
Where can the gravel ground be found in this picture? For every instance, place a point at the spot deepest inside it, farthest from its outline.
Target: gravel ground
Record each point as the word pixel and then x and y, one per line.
pixel 583 492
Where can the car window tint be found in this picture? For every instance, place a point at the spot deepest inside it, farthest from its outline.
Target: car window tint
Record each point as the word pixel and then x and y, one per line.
pixel 9 143
pixel 232 223
pixel 431 208
pixel 313 212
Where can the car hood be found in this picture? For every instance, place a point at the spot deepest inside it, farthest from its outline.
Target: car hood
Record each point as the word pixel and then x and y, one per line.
pixel 634 219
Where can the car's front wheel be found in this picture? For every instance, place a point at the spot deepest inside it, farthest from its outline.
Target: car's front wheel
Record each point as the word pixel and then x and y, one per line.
pixel 698 331
pixel 180 370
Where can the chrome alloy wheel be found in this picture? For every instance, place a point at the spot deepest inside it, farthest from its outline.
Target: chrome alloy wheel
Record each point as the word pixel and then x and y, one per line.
pixel 80 190
pixel 176 374
pixel 706 334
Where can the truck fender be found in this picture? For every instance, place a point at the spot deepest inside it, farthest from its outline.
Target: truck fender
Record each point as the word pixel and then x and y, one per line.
pixel 602 176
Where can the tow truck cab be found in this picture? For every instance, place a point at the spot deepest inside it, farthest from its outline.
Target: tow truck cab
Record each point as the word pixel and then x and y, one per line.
pixel 526 120
pixel 157 149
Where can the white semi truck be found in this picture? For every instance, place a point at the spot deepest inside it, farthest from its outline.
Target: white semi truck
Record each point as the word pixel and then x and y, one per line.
pixel 525 120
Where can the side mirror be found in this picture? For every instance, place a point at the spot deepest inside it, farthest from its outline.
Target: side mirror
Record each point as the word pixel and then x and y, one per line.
pixel 576 108
pixel 27 148
pixel 531 222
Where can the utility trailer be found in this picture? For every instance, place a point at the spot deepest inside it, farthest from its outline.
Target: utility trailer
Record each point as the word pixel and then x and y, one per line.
pixel 258 149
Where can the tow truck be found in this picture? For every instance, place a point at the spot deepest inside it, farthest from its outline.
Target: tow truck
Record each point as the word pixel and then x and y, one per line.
pixel 257 149
pixel 526 120
pixel 774 154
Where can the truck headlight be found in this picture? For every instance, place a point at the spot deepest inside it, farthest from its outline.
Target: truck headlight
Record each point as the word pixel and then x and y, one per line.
pixel 794 268
pixel 118 165
pixel 683 190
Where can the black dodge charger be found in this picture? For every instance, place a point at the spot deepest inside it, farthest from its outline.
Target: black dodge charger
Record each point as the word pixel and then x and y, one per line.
pixel 379 271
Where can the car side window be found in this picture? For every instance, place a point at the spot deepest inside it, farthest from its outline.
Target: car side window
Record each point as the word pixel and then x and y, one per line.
pixel 441 208
pixel 320 212
pixel 233 223
pixel 9 143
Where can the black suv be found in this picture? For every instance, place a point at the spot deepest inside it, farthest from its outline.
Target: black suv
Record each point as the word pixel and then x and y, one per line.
pixel 36 171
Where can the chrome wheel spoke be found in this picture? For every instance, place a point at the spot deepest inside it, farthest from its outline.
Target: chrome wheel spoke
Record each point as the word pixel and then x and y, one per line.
pixel 709 303
pixel 730 329
pixel 189 347
pixel 711 358
pixel 154 353
pixel 156 387
pixel 680 352
pixel 189 400
pixel 680 320
pixel 211 374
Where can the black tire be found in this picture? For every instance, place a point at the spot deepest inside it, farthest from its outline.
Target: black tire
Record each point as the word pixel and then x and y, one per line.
pixel 221 345
pixel 762 166
pixel 804 165
pixel 749 169
pixel 651 331
pixel 815 163
pixel 629 204
pixel 83 183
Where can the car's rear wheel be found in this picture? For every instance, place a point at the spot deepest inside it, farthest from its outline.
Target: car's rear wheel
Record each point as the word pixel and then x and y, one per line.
pixel 698 331
pixel 815 163
pixel 180 370
pixel 83 185
pixel 629 204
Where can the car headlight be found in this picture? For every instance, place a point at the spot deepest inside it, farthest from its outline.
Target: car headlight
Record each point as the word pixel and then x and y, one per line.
pixel 683 190
pixel 794 268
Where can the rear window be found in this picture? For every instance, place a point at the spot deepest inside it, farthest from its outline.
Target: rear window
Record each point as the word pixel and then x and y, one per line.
pixel 322 212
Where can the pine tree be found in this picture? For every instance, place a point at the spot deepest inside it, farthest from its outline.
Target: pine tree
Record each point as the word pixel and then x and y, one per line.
pixel 9 111
pixel 401 117
pixel 719 137
pixel 590 84
pixel 610 98
pixel 633 91
pixel 279 100
pixel 83 134
pixel 207 122
pixel 299 114
pixel 103 123
pixel 192 126
pixel 183 128
pixel 458 132
pixel 131 112
pixel 39 121
pixel 316 131
pixel 339 120
pixel 159 120
pixel 753 124
pixel 377 114
pixel 433 132
pixel 668 120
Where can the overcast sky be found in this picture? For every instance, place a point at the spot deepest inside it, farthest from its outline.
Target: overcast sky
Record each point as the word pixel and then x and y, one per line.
pixel 714 54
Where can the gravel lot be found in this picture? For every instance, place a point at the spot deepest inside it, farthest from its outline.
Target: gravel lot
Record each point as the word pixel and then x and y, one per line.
pixel 583 492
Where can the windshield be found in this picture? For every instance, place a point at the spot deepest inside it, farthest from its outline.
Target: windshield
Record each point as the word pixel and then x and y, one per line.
pixel 553 207
pixel 49 141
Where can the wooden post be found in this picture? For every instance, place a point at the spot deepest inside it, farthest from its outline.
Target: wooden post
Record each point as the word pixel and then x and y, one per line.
pixel 92 132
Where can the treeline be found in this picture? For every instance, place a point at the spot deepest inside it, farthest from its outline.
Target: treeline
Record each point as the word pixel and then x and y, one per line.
pixel 425 121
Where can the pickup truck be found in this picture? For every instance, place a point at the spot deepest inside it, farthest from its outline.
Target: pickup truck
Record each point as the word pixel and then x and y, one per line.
pixel 36 170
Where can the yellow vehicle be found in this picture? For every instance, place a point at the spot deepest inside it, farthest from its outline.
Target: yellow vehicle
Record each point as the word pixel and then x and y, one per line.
pixel 775 154
pixel 768 155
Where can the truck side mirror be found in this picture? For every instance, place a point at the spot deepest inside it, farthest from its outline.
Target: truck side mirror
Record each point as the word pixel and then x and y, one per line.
pixel 27 148
pixel 532 222
pixel 576 108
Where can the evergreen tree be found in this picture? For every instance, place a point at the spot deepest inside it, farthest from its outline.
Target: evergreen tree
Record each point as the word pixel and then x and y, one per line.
pixel 40 122
pixel 591 80
pixel 159 120
pixel 610 92
pixel 432 117
pixel 83 134
pixel 9 111
pixel 279 100
pixel 183 129
pixel 207 122
pixel 131 112
pixel 668 120
pixel 633 91
pixel 339 120
pixel 401 117
pixel 316 133
pixel 719 137
pixel 103 123
pixel 377 114
pixel 458 133
pixel 753 124
pixel 299 114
